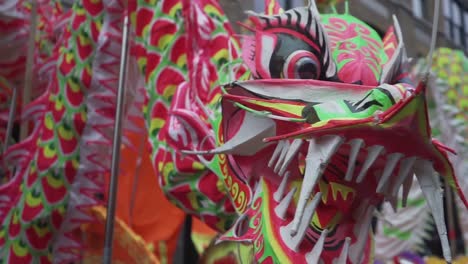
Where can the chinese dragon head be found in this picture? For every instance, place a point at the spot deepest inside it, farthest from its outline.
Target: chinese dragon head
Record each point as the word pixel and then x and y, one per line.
pixel 327 127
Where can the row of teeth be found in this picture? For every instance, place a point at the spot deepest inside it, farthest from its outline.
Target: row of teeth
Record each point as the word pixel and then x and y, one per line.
pixel 320 150
pixel 249 140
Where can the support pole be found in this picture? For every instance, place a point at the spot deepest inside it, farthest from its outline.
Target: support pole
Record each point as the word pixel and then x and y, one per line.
pixel 11 117
pixel 116 147
pixel 28 76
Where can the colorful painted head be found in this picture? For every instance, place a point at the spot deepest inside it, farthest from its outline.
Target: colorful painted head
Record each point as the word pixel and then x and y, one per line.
pixel 327 128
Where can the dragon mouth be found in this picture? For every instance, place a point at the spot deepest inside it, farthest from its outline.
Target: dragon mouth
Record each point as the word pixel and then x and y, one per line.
pixel 339 180
pixel 340 175
pixel 344 167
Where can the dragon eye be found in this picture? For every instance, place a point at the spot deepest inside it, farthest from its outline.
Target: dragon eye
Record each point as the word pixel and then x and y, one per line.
pixel 301 64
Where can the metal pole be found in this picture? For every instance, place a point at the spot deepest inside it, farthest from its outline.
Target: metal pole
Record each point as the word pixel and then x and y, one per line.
pixel 11 117
pixel 116 147
pixel 28 77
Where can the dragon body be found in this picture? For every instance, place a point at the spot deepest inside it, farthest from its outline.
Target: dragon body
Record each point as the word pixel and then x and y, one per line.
pixel 52 181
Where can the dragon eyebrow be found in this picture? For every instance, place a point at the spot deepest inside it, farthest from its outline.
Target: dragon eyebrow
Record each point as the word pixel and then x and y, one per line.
pixel 303 20
pixel 295 20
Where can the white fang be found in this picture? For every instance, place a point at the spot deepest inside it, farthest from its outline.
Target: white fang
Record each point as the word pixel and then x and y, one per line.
pixel 319 154
pixel 356 145
pixel 282 156
pixel 276 153
pixel 344 252
pixel 406 190
pixel 293 242
pixel 313 256
pixel 374 152
pixel 430 186
pixel 278 195
pixel 282 208
pixel 405 167
pixel 389 166
pixel 292 151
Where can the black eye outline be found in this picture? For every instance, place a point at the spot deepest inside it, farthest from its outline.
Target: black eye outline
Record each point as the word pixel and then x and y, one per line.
pixel 301 58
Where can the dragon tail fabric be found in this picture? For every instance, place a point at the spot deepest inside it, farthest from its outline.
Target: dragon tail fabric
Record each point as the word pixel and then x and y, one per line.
pixel 56 182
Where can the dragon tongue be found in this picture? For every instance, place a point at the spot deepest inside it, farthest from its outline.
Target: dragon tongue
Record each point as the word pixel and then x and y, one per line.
pixel 319 154
pixel 430 186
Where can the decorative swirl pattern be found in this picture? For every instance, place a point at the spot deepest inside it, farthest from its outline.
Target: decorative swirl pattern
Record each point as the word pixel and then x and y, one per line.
pixel 356 48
